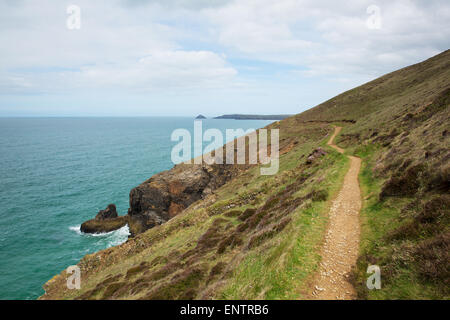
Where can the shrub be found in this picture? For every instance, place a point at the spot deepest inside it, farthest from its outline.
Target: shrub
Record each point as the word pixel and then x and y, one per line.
pixel 320 195
pixel 433 260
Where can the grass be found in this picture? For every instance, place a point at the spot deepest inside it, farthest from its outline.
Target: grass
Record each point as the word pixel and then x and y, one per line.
pixel 380 218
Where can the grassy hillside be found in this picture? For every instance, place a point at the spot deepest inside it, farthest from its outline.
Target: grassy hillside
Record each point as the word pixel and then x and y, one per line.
pixel 259 237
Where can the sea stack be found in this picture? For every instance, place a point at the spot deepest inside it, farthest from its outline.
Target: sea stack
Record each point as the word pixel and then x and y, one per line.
pixel 105 221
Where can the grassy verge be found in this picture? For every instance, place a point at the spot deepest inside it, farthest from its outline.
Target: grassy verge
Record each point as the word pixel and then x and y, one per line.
pixel 384 242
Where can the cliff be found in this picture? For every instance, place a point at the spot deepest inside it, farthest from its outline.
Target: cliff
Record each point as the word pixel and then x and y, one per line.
pixel 168 193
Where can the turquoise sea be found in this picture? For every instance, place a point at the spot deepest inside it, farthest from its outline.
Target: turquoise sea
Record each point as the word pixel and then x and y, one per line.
pixel 56 173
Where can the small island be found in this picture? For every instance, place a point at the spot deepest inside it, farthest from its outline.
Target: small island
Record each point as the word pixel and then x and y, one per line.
pixel 254 116
pixel 200 117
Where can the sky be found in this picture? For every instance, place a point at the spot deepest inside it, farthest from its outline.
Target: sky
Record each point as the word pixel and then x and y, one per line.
pixel 186 57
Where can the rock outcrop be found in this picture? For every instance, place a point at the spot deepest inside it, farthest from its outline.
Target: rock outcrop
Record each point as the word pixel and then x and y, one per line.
pixel 109 213
pixel 162 197
pixel 168 193
pixel 317 153
pixel 105 221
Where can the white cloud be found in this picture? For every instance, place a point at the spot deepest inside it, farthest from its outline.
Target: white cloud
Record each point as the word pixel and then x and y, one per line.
pixel 260 29
pixel 162 70
pixel 190 4
pixel 332 37
pixel 117 48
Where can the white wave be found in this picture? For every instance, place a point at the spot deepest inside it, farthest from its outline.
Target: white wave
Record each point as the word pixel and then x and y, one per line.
pixel 76 229
pixel 112 238
pixel 119 236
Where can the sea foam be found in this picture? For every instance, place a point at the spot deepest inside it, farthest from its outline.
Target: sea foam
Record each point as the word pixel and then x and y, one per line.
pixel 112 238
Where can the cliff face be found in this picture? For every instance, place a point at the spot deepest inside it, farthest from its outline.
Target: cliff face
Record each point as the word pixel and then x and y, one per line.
pixel 168 193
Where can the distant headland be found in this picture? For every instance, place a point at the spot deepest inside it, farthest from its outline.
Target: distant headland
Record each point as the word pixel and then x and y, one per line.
pixel 254 116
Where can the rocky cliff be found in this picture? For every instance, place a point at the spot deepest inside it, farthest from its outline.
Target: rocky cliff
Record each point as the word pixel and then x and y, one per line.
pixel 166 194
pixel 163 196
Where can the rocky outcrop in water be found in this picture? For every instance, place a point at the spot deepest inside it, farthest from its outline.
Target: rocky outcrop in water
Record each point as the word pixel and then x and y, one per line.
pixel 105 221
pixel 109 213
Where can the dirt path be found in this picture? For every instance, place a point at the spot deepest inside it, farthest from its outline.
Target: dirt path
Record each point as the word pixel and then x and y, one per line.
pixel 340 250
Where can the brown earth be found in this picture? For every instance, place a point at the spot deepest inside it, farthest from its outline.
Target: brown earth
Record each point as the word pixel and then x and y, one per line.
pixel 340 251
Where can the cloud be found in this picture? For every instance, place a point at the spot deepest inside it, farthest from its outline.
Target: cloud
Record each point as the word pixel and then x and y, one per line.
pixel 162 70
pixel 329 37
pixel 116 48
pixel 34 34
pixel 189 4
pixel 261 29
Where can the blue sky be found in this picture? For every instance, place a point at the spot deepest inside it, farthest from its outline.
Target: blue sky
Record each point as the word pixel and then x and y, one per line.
pixel 184 57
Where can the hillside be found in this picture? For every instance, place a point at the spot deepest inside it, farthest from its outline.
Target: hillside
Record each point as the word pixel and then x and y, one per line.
pixel 260 237
pixel 254 116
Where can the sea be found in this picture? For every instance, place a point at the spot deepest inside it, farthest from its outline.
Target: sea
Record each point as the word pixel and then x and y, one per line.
pixel 56 173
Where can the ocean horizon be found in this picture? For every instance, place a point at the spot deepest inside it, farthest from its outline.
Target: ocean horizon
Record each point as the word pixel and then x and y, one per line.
pixel 60 171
